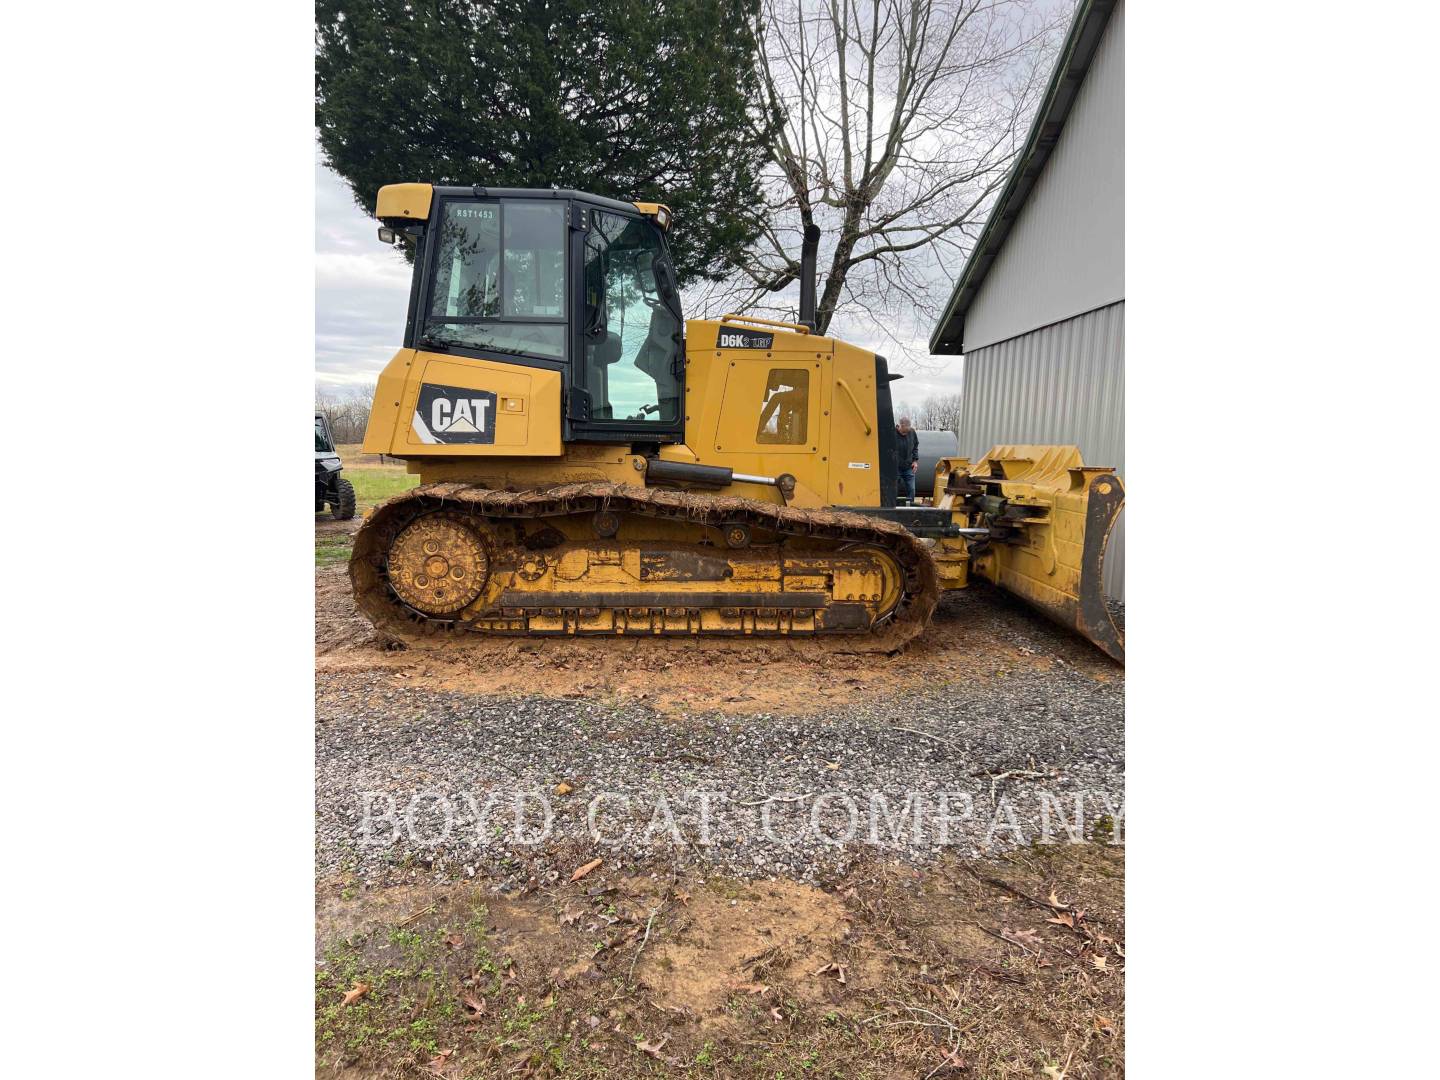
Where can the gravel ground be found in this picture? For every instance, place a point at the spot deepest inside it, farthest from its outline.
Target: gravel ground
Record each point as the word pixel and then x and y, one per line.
pixel 418 785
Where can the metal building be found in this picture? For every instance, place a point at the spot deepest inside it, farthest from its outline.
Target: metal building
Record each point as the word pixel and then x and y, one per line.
pixel 1039 309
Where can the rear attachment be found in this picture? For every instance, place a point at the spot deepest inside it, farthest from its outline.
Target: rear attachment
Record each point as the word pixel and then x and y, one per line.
pixel 600 558
pixel 1041 521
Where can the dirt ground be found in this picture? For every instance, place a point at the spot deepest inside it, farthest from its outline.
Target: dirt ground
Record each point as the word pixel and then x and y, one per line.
pixel 978 633
pixel 1005 968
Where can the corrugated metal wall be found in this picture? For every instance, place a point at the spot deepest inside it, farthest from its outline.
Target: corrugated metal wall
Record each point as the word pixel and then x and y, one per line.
pixel 1060 384
pixel 1066 252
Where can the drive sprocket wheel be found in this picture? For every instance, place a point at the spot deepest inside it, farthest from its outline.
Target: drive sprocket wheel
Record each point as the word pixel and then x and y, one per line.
pixel 438 564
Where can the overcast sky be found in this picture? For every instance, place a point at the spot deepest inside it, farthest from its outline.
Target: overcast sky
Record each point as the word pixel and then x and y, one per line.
pixel 361 289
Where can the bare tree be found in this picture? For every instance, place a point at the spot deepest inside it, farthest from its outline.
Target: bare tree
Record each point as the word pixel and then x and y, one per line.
pixel 347 410
pixel 939 412
pixel 899 120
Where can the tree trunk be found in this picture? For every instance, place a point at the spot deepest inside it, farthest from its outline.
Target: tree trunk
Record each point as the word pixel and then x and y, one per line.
pixel 839 267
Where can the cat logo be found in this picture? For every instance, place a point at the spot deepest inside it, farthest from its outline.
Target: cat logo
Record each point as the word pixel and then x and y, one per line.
pixel 453 414
pixel 744 339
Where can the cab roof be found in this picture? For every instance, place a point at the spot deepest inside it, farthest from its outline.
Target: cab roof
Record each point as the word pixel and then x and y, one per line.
pixel 412 202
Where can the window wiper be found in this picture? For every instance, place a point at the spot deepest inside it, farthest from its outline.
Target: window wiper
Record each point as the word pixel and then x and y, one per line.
pixel 498 348
pixel 427 339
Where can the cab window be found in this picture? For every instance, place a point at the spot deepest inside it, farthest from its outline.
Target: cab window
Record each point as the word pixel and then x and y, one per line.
pixel 630 337
pixel 500 278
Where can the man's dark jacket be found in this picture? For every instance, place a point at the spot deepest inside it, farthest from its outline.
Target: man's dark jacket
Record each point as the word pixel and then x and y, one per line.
pixel 907 449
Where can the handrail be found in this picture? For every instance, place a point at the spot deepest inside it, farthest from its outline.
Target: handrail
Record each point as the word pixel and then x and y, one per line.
pixel 858 411
pixel 799 328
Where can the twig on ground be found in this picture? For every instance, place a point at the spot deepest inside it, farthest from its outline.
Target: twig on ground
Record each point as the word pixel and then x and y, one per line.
pixel 997 779
pixel 1079 930
pixel 927 735
pixel 1007 887
pixel 778 798
pixel 1008 941
pixel 411 918
pixel 1015 774
pixel 949 1059
pixel 648 923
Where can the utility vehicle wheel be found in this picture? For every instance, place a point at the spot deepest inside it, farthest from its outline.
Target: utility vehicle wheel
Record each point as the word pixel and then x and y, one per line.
pixel 343 508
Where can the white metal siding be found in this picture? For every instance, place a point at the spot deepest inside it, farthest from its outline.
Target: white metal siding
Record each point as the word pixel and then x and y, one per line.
pixel 1059 385
pixel 1066 252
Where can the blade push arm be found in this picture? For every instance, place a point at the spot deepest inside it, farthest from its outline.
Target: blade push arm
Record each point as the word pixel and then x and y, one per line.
pixel 1046 519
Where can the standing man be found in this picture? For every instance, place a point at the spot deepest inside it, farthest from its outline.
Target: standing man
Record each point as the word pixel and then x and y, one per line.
pixel 907 458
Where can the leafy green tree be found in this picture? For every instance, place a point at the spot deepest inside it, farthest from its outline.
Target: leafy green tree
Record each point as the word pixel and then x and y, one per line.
pixel 654 101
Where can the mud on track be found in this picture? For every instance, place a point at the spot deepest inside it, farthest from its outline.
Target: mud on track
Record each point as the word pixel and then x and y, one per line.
pixel 976 634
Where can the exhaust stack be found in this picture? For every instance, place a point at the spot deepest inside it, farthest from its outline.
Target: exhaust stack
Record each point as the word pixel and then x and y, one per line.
pixel 809 248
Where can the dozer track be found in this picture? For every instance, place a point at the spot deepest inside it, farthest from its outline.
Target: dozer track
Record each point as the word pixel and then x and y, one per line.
pixel 604 558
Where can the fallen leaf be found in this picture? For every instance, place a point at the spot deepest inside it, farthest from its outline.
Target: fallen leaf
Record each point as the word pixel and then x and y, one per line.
pixel 838 969
pixel 569 917
pixel 832 765
pixel 1055 901
pixel 776 1014
pixel 1064 919
pixel 583 870
pixel 653 1049
pixel 563 788
pixel 952 1062
pixel 683 897
pixel 455 940
pixel 474 1004
pixel 355 993
pixel 1098 962
pixel 1104 1026
pixel 437 1064
pixel 1026 939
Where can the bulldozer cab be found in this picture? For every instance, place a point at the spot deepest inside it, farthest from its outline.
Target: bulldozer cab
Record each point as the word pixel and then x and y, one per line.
pixel 554 280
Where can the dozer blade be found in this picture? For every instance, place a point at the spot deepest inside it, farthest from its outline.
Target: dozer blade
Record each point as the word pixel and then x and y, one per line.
pixel 1050 518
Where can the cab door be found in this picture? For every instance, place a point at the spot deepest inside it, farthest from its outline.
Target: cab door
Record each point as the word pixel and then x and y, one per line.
pixel 628 375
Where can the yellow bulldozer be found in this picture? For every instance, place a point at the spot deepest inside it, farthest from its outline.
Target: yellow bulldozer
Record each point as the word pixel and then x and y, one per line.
pixel 592 463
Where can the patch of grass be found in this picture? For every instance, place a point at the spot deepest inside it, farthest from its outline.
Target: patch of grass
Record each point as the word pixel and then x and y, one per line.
pixel 376 483
pixel 332 549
